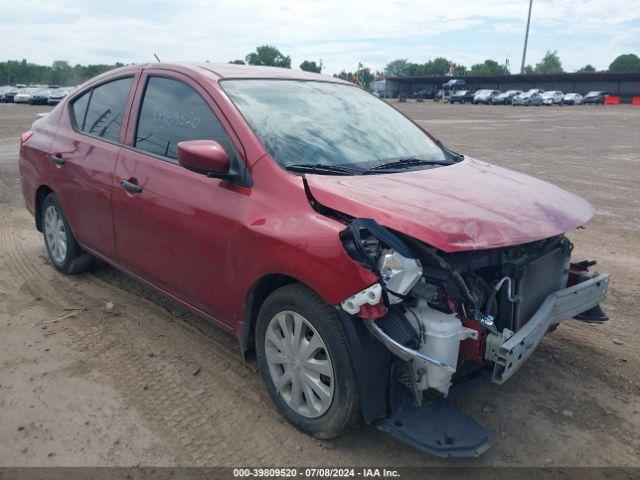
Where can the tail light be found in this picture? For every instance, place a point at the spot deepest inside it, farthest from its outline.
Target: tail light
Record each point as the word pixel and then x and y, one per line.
pixel 25 136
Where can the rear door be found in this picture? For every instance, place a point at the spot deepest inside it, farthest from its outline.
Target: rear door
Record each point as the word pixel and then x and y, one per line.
pixel 175 228
pixel 84 153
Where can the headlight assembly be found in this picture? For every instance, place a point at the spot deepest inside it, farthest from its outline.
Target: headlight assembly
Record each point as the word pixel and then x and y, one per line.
pixel 375 247
pixel 398 273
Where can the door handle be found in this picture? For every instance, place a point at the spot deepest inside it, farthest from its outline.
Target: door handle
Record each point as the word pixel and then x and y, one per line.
pixel 130 186
pixel 58 160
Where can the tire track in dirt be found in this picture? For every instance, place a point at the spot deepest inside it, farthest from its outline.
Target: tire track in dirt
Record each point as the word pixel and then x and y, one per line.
pixel 191 387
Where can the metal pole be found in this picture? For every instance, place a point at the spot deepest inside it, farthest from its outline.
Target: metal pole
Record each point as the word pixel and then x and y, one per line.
pixel 526 38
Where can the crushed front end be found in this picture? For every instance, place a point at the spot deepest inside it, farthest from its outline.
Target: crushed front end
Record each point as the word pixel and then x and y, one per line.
pixel 444 316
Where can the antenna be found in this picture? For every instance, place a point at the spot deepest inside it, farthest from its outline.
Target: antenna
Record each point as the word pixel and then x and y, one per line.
pixel 156 57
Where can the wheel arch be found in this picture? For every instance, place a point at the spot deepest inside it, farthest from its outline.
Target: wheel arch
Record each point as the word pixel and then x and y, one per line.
pixel 41 194
pixel 371 360
pixel 254 299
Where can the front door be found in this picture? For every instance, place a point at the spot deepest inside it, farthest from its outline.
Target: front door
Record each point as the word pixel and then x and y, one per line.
pixel 175 227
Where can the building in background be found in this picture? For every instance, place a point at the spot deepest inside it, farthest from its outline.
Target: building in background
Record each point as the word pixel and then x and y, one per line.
pixel 623 84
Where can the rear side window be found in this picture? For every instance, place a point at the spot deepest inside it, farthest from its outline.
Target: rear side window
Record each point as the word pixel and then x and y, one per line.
pixel 173 112
pixel 80 110
pixel 106 105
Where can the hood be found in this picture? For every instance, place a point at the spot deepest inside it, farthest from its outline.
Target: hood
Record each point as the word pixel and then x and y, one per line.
pixel 471 205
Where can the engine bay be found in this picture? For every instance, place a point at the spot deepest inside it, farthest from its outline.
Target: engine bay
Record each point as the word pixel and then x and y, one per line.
pixel 446 315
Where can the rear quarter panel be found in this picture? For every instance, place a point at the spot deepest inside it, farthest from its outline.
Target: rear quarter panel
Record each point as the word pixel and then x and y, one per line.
pixel 34 160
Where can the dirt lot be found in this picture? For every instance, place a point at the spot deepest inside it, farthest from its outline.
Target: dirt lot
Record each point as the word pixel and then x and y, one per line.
pixel 146 382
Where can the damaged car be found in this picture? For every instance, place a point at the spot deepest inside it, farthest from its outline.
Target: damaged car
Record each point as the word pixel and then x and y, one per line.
pixel 368 271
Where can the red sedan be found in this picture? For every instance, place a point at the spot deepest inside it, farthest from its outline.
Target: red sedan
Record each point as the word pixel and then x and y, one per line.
pixel 365 266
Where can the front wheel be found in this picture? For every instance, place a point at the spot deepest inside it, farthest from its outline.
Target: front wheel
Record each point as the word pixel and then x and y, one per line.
pixel 64 252
pixel 304 360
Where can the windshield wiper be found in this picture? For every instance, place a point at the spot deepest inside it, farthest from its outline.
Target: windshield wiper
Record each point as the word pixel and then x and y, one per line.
pixel 407 163
pixel 323 168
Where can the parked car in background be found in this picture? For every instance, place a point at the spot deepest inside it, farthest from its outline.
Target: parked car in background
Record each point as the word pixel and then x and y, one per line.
pixel 24 95
pixel 438 96
pixel 355 305
pixel 58 94
pixel 452 86
pixel 5 89
pixel 462 96
pixel 485 96
pixel 552 97
pixel 532 90
pixel 595 97
pixel 572 99
pixel 528 98
pixel 506 98
pixel 40 96
pixel 8 94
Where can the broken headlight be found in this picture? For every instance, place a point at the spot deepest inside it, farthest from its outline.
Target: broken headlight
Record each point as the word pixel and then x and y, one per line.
pixel 376 248
pixel 398 273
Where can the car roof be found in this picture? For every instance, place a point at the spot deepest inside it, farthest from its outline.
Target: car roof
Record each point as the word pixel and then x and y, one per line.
pixel 230 70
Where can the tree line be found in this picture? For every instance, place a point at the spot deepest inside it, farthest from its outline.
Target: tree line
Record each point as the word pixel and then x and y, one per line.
pixel 270 56
pixel 550 63
pixel 62 73
pixel 59 73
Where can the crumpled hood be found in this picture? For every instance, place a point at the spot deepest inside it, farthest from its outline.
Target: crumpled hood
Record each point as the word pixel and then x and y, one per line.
pixel 471 205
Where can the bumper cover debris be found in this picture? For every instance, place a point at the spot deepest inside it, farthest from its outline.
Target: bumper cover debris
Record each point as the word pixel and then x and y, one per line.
pixel 438 429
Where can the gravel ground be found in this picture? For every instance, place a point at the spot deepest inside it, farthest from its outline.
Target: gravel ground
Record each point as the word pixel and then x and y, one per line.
pixel 144 382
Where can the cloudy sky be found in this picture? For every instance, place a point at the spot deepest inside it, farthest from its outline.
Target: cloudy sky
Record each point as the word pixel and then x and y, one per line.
pixel 340 32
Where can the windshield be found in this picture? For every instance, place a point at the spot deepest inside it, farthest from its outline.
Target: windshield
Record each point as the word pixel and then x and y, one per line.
pixel 483 92
pixel 593 94
pixel 307 122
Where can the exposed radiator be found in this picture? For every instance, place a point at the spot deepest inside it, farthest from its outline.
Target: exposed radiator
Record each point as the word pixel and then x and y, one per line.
pixel 538 279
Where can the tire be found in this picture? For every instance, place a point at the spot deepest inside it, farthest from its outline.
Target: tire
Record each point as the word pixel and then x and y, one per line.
pixel 295 304
pixel 70 259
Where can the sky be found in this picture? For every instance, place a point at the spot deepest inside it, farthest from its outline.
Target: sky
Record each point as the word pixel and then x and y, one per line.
pixel 340 33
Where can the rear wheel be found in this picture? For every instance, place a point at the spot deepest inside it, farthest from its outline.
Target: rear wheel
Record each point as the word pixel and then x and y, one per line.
pixel 304 360
pixel 64 252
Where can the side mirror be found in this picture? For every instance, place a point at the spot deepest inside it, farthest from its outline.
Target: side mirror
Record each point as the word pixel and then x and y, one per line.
pixel 204 156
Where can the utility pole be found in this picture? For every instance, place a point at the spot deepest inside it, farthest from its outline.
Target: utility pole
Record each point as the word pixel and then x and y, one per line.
pixel 526 38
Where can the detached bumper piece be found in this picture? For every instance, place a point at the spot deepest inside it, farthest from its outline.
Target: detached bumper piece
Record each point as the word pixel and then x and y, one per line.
pixel 557 307
pixel 438 429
